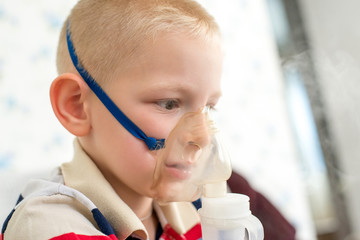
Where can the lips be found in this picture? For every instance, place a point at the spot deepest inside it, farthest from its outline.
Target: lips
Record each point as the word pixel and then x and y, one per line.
pixel 179 171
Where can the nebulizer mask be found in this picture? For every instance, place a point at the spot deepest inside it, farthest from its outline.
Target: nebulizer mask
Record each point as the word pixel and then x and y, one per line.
pixel 192 159
pixel 190 163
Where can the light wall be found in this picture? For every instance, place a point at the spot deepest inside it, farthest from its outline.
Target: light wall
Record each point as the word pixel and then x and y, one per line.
pixel 334 37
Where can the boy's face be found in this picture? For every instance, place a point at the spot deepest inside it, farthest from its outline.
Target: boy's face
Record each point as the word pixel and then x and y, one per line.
pixel 172 76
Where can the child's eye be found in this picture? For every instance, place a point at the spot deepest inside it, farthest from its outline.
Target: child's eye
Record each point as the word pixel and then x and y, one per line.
pixel 168 104
pixel 211 108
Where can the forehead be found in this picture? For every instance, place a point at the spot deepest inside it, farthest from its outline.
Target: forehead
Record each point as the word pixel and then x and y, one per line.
pixel 182 61
pixel 182 53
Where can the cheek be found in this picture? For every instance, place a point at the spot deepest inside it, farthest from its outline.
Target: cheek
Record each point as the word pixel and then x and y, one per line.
pixel 130 162
pixel 123 159
pixel 131 153
pixel 120 151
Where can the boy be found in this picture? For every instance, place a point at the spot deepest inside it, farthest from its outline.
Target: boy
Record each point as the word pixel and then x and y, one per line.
pixel 143 63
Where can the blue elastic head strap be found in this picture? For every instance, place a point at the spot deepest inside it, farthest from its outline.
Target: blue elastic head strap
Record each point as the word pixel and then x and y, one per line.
pixel 152 143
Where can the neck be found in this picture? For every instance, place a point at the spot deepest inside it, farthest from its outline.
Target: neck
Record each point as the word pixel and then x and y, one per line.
pixel 141 205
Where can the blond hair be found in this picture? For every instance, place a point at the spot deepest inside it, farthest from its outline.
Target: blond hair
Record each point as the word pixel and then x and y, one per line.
pixel 107 34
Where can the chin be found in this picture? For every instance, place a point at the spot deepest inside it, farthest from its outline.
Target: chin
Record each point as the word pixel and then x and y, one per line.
pixel 176 192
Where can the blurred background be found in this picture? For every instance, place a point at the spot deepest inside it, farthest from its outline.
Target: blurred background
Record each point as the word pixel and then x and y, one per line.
pixel 289 114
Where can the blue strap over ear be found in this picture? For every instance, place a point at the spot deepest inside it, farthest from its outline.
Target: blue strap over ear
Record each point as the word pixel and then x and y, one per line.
pixel 152 143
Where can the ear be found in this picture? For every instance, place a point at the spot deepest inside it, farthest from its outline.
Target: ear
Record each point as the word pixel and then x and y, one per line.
pixel 68 95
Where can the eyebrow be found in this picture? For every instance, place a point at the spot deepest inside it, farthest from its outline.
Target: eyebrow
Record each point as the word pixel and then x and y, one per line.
pixel 182 87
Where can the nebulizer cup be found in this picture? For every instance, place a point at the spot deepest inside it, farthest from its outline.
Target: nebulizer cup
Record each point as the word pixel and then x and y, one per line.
pixel 229 218
pixel 194 164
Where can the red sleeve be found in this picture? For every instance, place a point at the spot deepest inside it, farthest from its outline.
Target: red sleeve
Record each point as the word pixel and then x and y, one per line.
pixel 73 236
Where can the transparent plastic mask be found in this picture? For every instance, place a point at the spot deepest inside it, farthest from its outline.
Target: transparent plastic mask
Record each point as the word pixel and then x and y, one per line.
pixel 193 156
